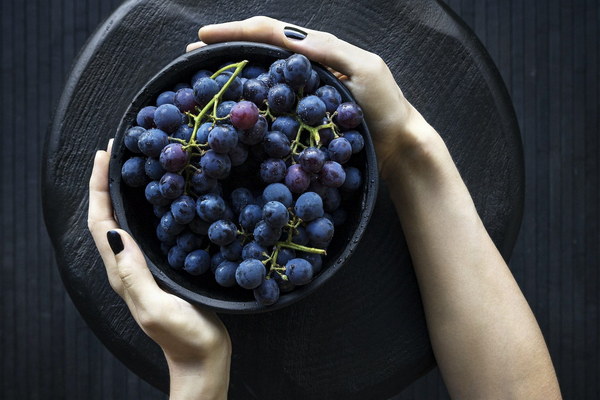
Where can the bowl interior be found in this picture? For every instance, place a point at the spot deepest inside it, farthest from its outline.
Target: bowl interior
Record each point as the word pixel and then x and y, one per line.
pixel 135 214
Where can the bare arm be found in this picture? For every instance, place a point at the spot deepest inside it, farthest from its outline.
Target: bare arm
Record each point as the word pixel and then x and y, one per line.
pixel 484 335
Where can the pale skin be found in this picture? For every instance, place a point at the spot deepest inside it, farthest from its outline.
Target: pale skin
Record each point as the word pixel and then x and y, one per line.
pixel 485 338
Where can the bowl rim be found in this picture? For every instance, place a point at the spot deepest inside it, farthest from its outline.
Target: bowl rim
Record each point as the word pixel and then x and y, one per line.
pixel 204 55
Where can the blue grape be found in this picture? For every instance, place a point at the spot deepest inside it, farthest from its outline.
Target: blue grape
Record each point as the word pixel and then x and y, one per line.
pixel 165 98
pixel 266 79
pixel 203 132
pixel 189 241
pixel 284 255
pixel 315 260
pixel 216 165
pixel 256 133
pixel 254 250
pixel 330 96
pixel 356 141
pixel 204 90
pixel 272 170
pixel 176 257
pixel 266 235
pixel 238 155
pixel 340 150
pixel 216 260
pixel 249 216
pixel 313 83
pixel 199 226
pixel 297 71
pixel 183 209
pixel 210 207
pixel 275 214
pixel 276 72
pixel 167 118
pixel 171 185
pixel 296 179
pixel 256 91
pixel 320 230
pixel 173 157
pixel 234 90
pixel 299 271
pixel 278 192
pixel 281 98
pixel 197 262
pixel 222 232
pixel 169 225
pixel 201 183
pixel 225 273
pixel 331 199
pixel 299 236
pixel 287 125
pixel 326 135
pixel 353 179
pixel 222 138
pixel 250 273
pixel 311 159
pixel 145 117
pixel 309 206
pixel 169 239
pixel 311 110
pixel 152 142
pixel 240 198
pixel 224 108
pixel 267 293
pixel 133 172
pixel 185 100
pixel 132 136
pixel 184 132
pixel 349 115
pixel 153 195
pixel 232 251
pixel 276 144
pixel 203 73
pixel 332 174
pixel 160 210
pixel 252 71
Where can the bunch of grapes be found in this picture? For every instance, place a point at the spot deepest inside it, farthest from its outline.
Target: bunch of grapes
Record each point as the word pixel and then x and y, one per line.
pixel 246 169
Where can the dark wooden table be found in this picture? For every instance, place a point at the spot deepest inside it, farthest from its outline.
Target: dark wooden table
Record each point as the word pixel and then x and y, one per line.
pixel 363 335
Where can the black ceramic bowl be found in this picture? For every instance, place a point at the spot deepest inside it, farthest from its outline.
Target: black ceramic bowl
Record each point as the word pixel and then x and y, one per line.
pixel 135 214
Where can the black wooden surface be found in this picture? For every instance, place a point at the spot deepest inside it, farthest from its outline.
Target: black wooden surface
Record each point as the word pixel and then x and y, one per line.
pixel 547 52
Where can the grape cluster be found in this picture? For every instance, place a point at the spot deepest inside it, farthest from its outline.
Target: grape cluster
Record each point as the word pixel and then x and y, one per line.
pixel 246 170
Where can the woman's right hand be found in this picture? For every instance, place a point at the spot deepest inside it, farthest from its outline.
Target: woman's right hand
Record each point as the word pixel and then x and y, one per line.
pixel 395 125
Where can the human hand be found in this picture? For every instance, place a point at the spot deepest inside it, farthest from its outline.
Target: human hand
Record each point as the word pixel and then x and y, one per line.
pixel 395 125
pixel 195 342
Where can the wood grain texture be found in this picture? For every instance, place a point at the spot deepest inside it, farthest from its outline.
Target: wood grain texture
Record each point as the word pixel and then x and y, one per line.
pixel 49 352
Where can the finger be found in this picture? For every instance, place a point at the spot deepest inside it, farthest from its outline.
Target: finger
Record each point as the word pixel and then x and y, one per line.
pixel 318 46
pixel 138 283
pixel 194 46
pixel 100 215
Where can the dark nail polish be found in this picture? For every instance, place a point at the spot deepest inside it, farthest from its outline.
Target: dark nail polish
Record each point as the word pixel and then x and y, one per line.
pixel 294 33
pixel 115 241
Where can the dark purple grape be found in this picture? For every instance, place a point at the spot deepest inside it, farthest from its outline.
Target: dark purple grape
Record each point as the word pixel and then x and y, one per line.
pixel 133 172
pixel 353 179
pixel 234 90
pixel 204 90
pixel 225 273
pixel 189 241
pixel 356 140
pixel 216 260
pixel 332 174
pixel 202 183
pixel 183 209
pixel 169 225
pixel 320 230
pixel 173 157
pixel 215 165
pixel 316 260
pixel 254 250
pixel 265 234
pixel 199 226
pixel 256 133
pixel 250 273
pixel 256 91
pixel 287 125
pixel 244 115
pixel 349 115
pixel 203 132
pixel 281 99
pixel 222 232
pixel 326 134
pixel 309 206
pixel 172 185
pixel 159 211
pixel 222 138
pixel 224 109
pixel 252 71
pixel 297 71
pixel 276 72
pixel 152 142
pixel 331 199
pixel 296 179
pixel 185 100
pixel 311 110
pixel 340 150
pixel 176 257
pixel 278 192
pixel 284 255
pixel 167 118
pixel 210 207
pixel 299 271
pixel 240 198
pixel 197 262
pixel 266 79
pixel 311 160
pixel 153 195
pixel 267 293
pixel 132 136
pixel 165 98
pixel 313 83
pixel 184 132
pixel 276 144
pixel 249 217
pixel 239 154
pixel 162 235
pixel 232 251
pixel 273 170
pixel 299 236
pixel 203 73
pixel 275 214
pixel 145 117
pixel 285 286
pixel 330 96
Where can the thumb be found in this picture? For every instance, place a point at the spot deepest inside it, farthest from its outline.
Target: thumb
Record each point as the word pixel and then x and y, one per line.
pixel 137 281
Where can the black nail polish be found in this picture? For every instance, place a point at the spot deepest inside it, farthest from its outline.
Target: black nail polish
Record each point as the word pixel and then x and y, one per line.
pixel 294 33
pixel 115 241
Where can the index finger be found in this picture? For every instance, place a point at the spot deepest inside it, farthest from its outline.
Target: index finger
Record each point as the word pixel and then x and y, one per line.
pixel 319 46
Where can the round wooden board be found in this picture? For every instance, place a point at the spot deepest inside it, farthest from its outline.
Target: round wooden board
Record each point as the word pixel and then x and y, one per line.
pixel 362 335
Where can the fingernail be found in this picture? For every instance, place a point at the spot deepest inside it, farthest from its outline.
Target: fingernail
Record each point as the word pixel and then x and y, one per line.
pixel 294 33
pixel 115 241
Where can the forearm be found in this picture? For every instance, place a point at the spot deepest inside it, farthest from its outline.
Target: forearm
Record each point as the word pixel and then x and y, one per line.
pixel 484 335
pixel 206 381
